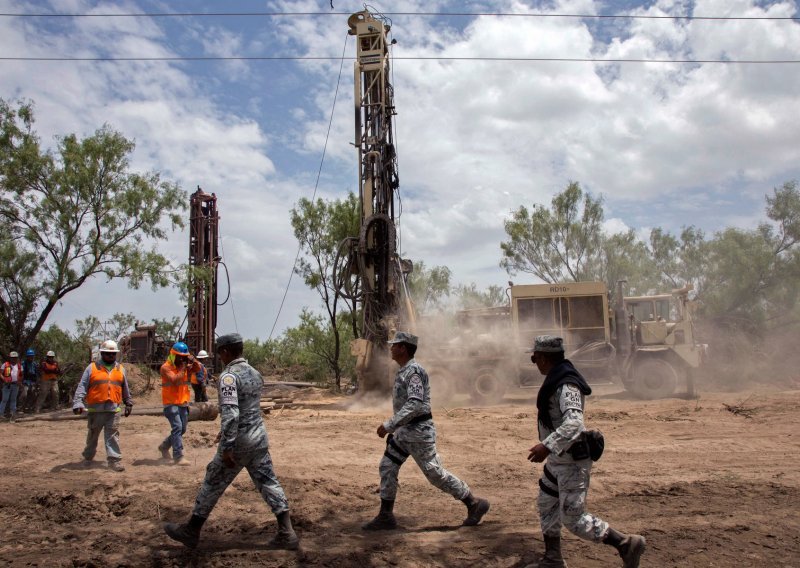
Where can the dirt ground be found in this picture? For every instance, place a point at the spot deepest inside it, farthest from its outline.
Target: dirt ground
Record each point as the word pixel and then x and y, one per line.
pixel 706 486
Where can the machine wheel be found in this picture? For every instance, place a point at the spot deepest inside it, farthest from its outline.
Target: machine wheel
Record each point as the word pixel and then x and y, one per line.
pixel 654 378
pixel 486 387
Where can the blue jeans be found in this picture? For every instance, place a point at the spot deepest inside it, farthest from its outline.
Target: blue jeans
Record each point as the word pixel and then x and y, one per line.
pixel 178 417
pixel 10 391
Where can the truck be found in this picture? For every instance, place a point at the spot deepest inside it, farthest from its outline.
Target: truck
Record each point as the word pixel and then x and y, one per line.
pixel 646 342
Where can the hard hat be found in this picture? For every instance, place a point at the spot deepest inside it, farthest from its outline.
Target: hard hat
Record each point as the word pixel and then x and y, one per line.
pixel 51 354
pixel 180 348
pixel 13 354
pixel 109 346
pixel 202 354
pixel 30 352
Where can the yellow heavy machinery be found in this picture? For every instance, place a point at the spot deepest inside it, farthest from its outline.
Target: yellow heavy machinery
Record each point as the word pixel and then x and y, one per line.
pixel 646 341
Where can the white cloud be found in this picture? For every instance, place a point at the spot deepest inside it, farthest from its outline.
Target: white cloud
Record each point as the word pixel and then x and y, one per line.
pixel 664 144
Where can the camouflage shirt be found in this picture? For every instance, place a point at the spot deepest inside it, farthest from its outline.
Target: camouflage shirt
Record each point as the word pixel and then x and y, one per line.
pixel 411 397
pixel 239 407
pixel 566 411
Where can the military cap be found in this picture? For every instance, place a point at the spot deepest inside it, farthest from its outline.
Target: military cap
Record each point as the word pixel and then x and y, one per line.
pixel 404 337
pixel 547 344
pixel 229 339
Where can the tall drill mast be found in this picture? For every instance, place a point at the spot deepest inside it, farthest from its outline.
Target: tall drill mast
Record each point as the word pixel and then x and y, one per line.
pixel 203 242
pixel 374 254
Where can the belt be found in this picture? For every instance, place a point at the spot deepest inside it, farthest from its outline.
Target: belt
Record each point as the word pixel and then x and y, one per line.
pixel 422 418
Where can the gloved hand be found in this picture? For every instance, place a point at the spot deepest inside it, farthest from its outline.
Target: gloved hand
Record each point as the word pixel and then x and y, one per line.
pixel 77 410
pixel 128 410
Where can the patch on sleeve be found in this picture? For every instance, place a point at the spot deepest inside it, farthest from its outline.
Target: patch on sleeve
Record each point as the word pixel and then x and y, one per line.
pixel 570 398
pixel 415 388
pixel 227 390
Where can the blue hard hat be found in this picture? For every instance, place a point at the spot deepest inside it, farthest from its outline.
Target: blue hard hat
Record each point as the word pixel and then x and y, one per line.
pixel 30 352
pixel 180 348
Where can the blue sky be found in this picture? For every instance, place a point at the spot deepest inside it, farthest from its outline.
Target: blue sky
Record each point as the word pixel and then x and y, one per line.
pixel 665 144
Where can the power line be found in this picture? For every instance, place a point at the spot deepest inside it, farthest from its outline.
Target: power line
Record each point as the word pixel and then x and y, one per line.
pixel 415 58
pixel 427 14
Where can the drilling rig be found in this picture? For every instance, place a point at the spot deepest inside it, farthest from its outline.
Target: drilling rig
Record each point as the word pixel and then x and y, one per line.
pixel 203 257
pixel 373 256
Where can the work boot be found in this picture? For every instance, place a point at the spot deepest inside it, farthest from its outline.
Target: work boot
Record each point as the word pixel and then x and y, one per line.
pixel 286 538
pixel 185 534
pixel 552 553
pixel 116 466
pixel 164 451
pixel 385 520
pixel 12 417
pixel 630 546
pixel 476 509
pixel 182 461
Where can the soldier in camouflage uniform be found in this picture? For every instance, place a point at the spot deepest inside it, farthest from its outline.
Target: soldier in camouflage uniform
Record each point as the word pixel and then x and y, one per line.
pixel 242 443
pixel 411 433
pixel 564 485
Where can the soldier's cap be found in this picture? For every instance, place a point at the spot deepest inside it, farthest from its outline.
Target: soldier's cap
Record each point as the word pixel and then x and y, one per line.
pixel 547 344
pixel 404 337
pixel 229 339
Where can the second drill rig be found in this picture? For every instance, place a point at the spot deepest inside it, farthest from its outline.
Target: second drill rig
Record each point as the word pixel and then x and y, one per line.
pixel 373 255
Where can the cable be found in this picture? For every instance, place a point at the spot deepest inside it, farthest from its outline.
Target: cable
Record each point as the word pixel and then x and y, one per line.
pixel 230 296
pixel 431 58
pixel 443 14
pixel 316 185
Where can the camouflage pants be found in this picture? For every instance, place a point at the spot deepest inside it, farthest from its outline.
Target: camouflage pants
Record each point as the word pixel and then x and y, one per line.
pixel 562 500
pixel 424 453
pixel 108 423
pixel 218 477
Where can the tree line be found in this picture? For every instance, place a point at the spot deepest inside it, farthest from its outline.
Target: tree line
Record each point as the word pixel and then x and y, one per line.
pixel 78 211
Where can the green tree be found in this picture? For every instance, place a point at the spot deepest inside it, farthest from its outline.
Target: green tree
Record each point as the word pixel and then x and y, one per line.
pixel 71 214
pixel 624 256
pixel 320 227
pixel 169 328
pixel 560 244
pixel 428 286
pixel 469 297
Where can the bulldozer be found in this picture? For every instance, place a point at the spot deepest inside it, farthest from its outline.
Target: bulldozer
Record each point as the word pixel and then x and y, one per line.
pixel 647 343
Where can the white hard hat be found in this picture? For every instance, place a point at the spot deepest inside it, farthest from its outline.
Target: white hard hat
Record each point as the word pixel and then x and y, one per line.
pixel 202 354
pixel 13 354
pixel 51 354
pixel 109 347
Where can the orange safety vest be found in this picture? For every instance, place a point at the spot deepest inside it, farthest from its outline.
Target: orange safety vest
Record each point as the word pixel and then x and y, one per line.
pixel 49 371
pixel 174 392
pixel 7 368
pixel 105 386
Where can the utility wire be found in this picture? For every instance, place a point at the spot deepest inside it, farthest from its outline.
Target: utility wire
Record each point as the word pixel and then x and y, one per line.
pixel 316 185
pixel 230 295
pixel 443 14
pixel 416 58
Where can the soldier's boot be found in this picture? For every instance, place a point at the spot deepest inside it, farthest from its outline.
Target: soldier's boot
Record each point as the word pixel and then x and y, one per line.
pixel 286 538
pixel 385 520
pixel 115 465
pixel 476 509
pixel 552 553
pixel 188 534
pixel 164 451
pixel 630 546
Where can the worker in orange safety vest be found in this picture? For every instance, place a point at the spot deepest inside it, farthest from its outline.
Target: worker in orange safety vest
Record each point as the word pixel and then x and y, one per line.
pixel 48 381
pixel 102 391
pixel 175 396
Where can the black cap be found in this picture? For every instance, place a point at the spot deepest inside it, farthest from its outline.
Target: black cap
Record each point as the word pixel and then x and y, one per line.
pixel 229 339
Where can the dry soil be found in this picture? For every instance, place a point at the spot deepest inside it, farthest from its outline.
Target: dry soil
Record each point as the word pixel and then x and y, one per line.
pixel 705 485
